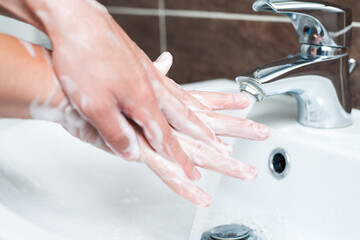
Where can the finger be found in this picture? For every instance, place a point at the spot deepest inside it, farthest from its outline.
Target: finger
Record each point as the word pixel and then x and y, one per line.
pixel 164 62
pixel 222 101
pixel 162 66
pixel 80 128
pixel 206 157
pixel 184 120
pixel 90 135
pixel 183 95
pixel 179 115
pixel 174 177
pixel 233 126
pixel 145 112
pixel 157 130
pixel 116 131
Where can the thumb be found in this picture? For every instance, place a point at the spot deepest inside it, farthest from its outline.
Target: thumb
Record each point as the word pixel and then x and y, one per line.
pixel 164 62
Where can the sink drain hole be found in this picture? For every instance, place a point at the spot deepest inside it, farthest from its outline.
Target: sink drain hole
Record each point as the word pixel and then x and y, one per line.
pixel 230 232
pixel 233 231
pixel 279 163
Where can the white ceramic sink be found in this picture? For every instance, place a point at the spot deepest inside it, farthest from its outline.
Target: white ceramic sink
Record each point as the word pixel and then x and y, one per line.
pixel 52 186
pixel 318 199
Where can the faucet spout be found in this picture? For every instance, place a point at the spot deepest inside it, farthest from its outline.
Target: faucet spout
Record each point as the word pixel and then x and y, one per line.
pixel 318 84
pixel 319 76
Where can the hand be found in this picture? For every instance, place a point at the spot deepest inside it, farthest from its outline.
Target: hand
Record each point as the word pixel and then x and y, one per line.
pixel 106 80
pixel 48 102
pixel 118 82
pixel 109 80
pixel 201 154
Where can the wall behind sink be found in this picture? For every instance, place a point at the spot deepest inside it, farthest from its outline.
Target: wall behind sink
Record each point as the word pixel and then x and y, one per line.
pixel 215 38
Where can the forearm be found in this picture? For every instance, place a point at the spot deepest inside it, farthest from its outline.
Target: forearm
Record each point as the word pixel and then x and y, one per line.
pixel 25 76
pixel 29 90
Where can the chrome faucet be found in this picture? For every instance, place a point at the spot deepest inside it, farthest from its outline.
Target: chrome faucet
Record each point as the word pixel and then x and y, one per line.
pixel 318 77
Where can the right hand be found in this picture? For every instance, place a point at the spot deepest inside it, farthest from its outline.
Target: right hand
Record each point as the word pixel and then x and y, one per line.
pixel 107 80
pixel 111 82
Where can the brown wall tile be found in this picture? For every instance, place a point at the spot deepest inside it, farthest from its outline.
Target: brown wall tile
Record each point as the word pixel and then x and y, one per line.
pixel 355 77
pixel 208 49
pixel 131 3
pixel 354 4
pixel 144 30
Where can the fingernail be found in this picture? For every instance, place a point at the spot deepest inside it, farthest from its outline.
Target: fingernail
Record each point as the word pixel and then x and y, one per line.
pixel 262 131
pixel 203 200
pixel 130 156
pixel 164 62
pixel 251 173
pixel 164 57
pixel 132 152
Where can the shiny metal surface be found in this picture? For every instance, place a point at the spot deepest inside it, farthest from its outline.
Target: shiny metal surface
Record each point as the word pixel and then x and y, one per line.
pixel 318 77
pixel 230 232
pixel 316 22
pixel 352 65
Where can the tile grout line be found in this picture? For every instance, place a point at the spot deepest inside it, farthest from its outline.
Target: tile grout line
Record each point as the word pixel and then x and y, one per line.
pixel 193 14
pixel 199 14
pixel 162 26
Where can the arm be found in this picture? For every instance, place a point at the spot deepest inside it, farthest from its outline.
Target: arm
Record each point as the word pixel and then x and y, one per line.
pixel 105 76
pixel 29 89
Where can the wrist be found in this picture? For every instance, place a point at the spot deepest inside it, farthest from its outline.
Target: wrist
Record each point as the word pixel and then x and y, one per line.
pixel 67 18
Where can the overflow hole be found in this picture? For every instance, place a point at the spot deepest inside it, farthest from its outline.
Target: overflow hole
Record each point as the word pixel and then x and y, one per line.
pixel 279 163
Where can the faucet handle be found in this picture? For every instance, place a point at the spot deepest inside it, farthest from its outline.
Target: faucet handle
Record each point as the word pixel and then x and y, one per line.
pixel 316 22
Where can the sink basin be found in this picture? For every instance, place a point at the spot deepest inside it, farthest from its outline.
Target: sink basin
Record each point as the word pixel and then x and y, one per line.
pixel 317 199
pixel 52 186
